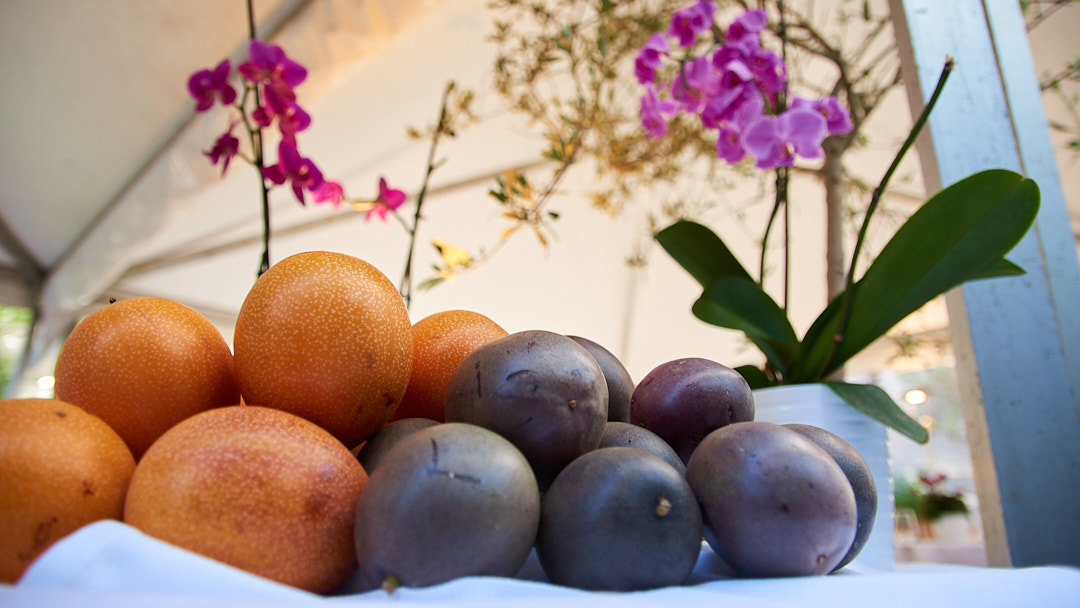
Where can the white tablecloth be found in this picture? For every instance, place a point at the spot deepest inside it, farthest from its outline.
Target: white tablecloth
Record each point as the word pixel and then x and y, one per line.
pixel 108 564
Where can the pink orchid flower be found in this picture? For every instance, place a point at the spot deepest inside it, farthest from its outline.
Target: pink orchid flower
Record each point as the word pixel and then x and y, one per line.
pixel 775 141
pixel 746 29
pixel 687 23
pixel 651 57
pixel 837 118
pixel 328 192
pixel 268 64
pixel 655 112
pixel 729 141
pixel 300 172
pixel 225 148
pixel 389 200
pixel 206 86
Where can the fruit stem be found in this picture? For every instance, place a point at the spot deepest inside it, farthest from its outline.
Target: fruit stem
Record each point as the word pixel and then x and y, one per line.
pixel 390 584
pixel 663 507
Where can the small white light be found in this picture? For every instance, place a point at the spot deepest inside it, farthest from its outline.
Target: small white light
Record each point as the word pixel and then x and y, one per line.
pixel 927 421
pixel 915 396
pixel 46 382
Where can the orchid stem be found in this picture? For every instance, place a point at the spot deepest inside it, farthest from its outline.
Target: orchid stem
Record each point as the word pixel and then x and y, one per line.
pixel 257 148
pixel 781 188
pixel 784 173
pixel 406 279
pixel 875 199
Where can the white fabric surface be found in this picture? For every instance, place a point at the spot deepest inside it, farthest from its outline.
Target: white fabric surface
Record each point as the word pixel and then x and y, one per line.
pixel 111 564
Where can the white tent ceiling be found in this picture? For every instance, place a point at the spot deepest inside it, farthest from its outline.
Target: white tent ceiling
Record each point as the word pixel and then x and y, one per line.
pixel 105 181
pixel 104 190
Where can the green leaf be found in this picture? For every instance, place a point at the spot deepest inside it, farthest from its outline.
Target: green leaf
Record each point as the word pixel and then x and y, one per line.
pixel 1000 268
pixel 817 345
pixel 755 377
pixel 960 234
pixel 742 304
pixel 700 252
pixel 429 283
pixel 877 404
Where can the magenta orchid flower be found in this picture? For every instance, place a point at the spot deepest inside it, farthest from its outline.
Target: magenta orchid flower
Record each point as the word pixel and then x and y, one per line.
pixel 731 62
pixel 695 84
pixel 775 141
pixel 736 87
pixel 389 200
pixel 687 23
pixel 729 146
pixel 722 107
pixel 275 103
pixel 729 90
pixel 655 112
pixel 328 192
pixel 768 69
pixel 745 31
pixel 729 141
pixel 225 148
pixel 300 172
pixel 281 105
pixel 837 118
pixel 268 64
pixel 206 86
pixel 651 57
pixel 293 120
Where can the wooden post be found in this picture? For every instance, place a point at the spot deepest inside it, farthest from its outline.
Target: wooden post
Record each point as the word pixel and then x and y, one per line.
pixel 1017 340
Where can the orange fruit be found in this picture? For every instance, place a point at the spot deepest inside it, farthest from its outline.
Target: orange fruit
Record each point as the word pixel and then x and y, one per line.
pixel 60 469
pixel 441 342
pixel 325 336
pixel 142 365
pixel 257 488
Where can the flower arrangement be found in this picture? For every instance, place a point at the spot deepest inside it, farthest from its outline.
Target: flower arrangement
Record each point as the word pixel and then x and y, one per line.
pixel 738 90
pixel 269 78
pixel 928 500
pixel 732 89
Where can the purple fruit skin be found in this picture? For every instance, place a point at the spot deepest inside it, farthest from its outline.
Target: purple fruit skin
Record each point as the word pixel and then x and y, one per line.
pixel 387 437
pixel 448 501
pixel 620 384
pixel 774 504
pixel 684 400
pixel 858 473
pixel 601 526
pixel 624 434
pixel 541 390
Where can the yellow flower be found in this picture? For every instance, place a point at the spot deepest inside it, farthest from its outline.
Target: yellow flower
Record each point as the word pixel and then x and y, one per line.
pixel 452 255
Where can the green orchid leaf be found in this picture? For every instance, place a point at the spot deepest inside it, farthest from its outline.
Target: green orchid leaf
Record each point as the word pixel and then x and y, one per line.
pixel 960 234
pixel 877 404
pixel 817 345
pixel 1000 268
pixel 755 377
pixel 814 348
pixel 701 252
pixel 741 304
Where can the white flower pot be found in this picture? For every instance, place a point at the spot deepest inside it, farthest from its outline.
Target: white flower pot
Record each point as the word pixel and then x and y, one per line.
pixel 952 528
pixel 818 405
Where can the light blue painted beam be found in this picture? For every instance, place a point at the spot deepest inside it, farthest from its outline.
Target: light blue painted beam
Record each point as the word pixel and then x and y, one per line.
pixel 1017 340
